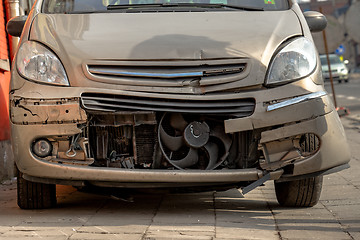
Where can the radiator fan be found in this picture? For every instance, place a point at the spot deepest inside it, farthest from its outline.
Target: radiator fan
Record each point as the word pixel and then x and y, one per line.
pixel 192 144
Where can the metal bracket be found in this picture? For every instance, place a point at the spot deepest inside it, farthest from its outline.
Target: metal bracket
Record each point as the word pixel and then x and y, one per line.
pixel 255 184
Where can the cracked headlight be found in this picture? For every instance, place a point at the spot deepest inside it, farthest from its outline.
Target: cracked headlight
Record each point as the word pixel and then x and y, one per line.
pixel 36 62
pixel 295 60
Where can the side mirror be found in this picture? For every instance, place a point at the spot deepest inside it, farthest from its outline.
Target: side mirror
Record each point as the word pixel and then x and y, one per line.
pixel 316 21
pixel 15 25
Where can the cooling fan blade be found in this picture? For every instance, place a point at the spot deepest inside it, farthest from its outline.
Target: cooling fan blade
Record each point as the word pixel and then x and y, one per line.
pixel 203 143
pixel 172 143
pixel 217 153
pixel 176 144
pixel 191 159
pixel 213 152
pixel 178 122
pixel 219 133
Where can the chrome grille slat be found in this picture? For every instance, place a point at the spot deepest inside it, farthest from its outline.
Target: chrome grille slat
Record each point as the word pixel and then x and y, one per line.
pixel 145 74
pixel 113 107
pixel 202 104
pixel 120 103
pixel 160 73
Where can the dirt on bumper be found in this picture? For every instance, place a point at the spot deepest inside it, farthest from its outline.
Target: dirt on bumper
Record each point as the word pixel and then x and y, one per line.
pixel 279 132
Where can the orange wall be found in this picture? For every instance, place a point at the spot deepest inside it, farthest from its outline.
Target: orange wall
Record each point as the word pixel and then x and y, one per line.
pixel 4 80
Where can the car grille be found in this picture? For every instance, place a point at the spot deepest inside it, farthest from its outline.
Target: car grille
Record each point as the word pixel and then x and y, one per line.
pixel 121 103
pixel 170 73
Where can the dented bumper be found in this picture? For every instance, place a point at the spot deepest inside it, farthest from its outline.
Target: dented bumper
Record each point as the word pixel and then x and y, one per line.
pixel 37 115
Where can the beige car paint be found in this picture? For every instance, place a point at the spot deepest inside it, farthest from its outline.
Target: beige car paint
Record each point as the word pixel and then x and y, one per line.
pixel 45 111
pixel 201 37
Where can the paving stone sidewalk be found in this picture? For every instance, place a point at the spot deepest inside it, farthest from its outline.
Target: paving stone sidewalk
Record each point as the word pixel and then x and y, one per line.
pixel 222 215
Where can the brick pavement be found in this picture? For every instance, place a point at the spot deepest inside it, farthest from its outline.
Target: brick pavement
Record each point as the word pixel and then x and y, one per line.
pixel 223 215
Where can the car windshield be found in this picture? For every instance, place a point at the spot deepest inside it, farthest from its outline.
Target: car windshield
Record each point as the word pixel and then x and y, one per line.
pixel 86 6
pixel 334 59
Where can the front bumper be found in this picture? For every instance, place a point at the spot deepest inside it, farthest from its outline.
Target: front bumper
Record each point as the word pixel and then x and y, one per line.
pixel 336 76
pixel 61 116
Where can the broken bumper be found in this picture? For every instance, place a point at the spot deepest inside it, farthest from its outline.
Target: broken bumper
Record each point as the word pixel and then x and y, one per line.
pixel 39 114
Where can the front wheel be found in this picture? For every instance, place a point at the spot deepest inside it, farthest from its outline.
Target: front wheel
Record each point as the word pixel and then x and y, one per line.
pixel 299 193
pixel 32 195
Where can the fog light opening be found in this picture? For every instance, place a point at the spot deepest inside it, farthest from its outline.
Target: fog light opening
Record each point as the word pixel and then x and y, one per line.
pixel 42 148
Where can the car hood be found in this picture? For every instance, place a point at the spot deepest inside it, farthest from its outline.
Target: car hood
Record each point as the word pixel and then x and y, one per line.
pixel 79 38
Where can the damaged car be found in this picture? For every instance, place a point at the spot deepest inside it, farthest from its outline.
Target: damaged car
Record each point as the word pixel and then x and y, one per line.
pixel 171 94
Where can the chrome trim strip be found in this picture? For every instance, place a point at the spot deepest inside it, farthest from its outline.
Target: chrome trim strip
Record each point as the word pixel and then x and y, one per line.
pixel 295 100
pixel 144 74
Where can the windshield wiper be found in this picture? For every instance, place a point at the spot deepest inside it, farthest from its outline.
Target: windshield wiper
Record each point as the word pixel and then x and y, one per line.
pixel 85 12
pixel 201 5
pixel 238 7
pixel 126 6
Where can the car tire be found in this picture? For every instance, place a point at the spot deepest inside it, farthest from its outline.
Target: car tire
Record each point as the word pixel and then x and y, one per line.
pixel 304 192
pixel 300 193
pixel 32 195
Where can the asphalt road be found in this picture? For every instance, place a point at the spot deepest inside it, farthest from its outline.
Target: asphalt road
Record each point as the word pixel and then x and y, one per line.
pixel 222 215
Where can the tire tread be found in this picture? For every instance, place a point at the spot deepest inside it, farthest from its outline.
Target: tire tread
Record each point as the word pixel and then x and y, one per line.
pixel 32 195
pixel 305 192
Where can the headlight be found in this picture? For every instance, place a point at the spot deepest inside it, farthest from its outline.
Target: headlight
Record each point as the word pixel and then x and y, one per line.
pixel 296 60
pixel 36 62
